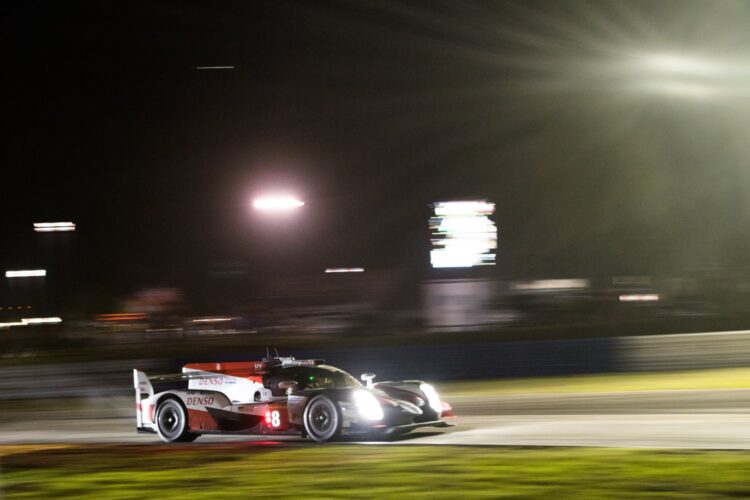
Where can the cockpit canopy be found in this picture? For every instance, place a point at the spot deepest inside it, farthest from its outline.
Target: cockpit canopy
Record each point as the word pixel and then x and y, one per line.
pixel 309 377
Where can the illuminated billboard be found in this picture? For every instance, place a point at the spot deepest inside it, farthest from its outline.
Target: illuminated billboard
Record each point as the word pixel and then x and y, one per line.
pixel 463 234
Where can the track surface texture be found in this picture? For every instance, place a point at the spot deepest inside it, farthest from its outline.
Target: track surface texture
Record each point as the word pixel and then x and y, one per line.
pixel 718 419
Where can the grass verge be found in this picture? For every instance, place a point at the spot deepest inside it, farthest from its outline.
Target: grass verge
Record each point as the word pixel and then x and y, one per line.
pixel 724 378
pixel 348 471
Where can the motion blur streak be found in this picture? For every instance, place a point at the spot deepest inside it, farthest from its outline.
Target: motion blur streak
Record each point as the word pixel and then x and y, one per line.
pixel 212 320
pixel 639 298
pixel 11 323
pixel 121 316
pixel 556 284
pixel 40 321
pixel 25 273
pixel 345 270
pixel 48 227
pixel 32 321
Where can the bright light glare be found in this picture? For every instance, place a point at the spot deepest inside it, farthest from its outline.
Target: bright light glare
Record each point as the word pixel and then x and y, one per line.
pixel 282 203
pixel 367 405
pixel 27 273
pixel 47 227
pixel 681 89
pixel 463 234
pixel 432 397
pixel 40 321
pixel 676 64
pixel 689 77
pixel 468 208
pixel 647 297
pixel 32 321
pixel 345 270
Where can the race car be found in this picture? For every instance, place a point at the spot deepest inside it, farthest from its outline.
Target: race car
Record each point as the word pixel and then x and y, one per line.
pixel 281 396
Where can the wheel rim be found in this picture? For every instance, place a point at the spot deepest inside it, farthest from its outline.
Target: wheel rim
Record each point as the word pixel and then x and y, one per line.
pixel 170 421
pixel 322 419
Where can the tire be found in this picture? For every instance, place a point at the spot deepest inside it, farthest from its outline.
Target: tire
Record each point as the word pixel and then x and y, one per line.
pixel 172 422
pixel 322 419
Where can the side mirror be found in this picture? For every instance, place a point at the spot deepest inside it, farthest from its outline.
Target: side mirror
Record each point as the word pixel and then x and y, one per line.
pixel 367 378
pixel 289 385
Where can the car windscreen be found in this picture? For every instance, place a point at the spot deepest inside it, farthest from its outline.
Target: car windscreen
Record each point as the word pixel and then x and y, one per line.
pixel 315 377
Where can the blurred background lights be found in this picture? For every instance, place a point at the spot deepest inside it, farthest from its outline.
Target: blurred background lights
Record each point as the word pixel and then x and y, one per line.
pixel 25 273
pixel 277 203
pixel 551 284
pixel 48 227
pixel 213 67
pixel 464 208
pixel 41 321
pixel 463 234
pixel 213 320
pixel 32 321
pixel 635 297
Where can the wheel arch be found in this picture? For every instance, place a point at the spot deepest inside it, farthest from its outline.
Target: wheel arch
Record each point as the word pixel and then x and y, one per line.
pixel 335 401
pixel 169 395
pixel 187 435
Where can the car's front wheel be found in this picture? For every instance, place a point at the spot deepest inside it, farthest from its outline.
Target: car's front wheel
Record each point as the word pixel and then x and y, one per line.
pixel 322 419
pixel 171 422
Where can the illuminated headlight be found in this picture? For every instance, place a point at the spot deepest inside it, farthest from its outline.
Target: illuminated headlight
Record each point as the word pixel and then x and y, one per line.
pixel 432 397
pixel 368 406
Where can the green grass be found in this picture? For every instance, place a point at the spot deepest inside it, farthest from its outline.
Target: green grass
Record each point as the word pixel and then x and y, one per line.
pixel 724 378
pixel 353 471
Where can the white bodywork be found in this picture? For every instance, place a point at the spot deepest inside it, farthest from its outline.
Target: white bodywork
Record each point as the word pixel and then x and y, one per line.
pixel 204 390
pixel 238 390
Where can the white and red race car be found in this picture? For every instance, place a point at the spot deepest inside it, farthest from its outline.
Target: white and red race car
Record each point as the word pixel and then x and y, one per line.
pixel 281 396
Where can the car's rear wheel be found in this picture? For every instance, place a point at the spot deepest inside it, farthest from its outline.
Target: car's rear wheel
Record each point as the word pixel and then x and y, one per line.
pixel 172 422
pixel 322 419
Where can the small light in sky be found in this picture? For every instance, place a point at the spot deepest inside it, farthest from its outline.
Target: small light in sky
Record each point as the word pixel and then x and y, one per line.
pixel 345 270
pixel 26 273
pixel 277 203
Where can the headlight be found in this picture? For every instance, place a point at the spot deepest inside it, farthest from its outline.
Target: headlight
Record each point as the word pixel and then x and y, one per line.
pixel 368 406
pixel 432 397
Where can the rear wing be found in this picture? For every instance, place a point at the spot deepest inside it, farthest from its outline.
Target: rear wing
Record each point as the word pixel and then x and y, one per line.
pixel 143 390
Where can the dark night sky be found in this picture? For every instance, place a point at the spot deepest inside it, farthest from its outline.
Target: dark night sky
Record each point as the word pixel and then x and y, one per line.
pixel 371 110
